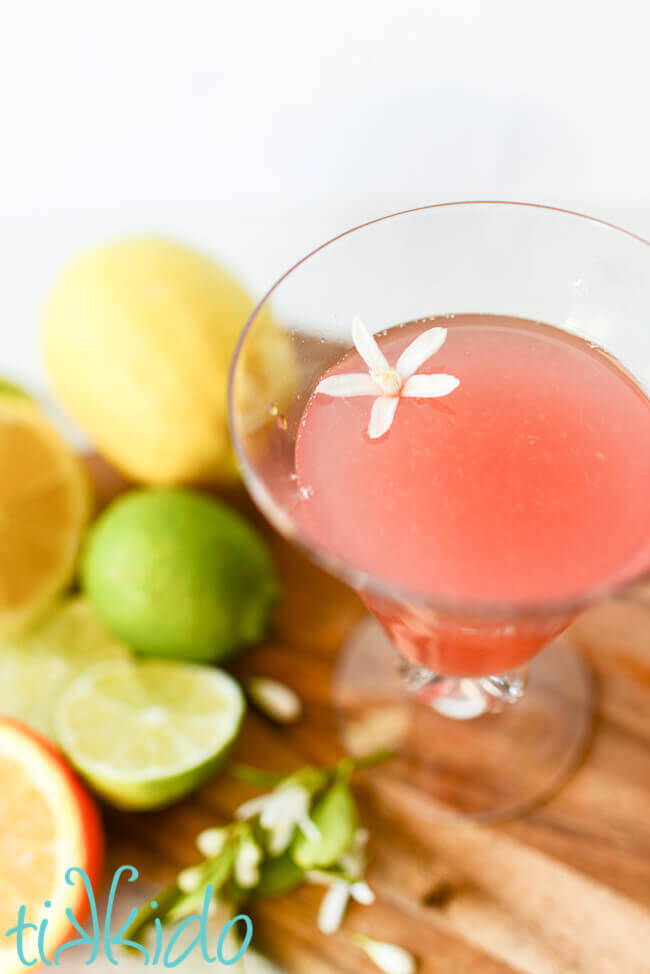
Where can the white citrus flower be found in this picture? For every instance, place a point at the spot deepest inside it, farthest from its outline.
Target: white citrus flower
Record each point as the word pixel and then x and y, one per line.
pixel 387 382
pixel 280 812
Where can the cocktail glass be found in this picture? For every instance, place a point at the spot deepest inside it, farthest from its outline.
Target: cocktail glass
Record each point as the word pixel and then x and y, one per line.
pixel 484 741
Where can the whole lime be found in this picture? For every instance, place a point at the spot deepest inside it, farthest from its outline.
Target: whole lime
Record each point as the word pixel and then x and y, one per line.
pixel 178 574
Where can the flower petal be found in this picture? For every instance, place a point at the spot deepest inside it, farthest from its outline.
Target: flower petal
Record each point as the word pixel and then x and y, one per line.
pixel 388 957
pixel 280 837
pixel 381 416
pixel 287 803
pixel 367 347
pixel 430 386
pixel 421 349
pixel 348 384
pixel 332 908
pixel 275 699
pixel 361 893
pixel 320 877
pixel 252 807
pixel 309 828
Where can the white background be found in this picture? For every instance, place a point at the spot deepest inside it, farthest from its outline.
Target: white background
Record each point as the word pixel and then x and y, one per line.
pixel 258 128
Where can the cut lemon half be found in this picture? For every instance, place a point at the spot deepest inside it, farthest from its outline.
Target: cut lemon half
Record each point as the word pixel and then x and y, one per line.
pixel 48 824
pixel 44 505
pixel 145 734
pixel 36 666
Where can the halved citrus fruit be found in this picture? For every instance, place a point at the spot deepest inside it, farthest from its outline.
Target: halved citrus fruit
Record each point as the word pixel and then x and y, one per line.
pixel 48 824
pixel 145 734
pixel 44 505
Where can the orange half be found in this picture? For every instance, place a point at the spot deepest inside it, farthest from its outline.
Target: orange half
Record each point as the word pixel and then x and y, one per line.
pixel 48 824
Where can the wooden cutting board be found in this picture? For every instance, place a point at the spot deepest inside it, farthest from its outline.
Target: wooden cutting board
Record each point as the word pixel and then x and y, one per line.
pixel 565 889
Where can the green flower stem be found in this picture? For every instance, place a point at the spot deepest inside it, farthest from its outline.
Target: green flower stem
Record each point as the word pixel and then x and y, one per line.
pixel 350 765
pixel 146 915
pixel 276 875
pixel 254 776
pixel 346 766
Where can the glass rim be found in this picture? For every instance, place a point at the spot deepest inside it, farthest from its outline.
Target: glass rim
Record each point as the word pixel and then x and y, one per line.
pixel 379 586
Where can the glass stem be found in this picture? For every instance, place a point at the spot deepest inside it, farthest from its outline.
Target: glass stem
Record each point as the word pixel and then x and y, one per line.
pixel 464 698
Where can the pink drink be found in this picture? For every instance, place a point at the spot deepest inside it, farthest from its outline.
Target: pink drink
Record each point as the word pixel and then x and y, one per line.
pixel 528 484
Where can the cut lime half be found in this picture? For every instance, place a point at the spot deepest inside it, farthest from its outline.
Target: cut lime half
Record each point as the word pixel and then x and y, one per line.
pixel 145 734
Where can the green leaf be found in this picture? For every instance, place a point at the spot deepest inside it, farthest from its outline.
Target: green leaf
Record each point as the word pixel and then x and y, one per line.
pixel 335 817
pixel 278 876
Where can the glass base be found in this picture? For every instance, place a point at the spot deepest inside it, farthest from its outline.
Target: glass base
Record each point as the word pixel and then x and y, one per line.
pixel 492 767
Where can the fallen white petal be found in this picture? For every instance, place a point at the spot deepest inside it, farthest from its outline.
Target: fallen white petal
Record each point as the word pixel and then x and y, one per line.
pixel 421 349
pixel 381 416
pixel 274 698
pixel 367 347
pixel 388 957
pixel 361 893
pixel 348 384
pixel 430 386
pixel 333 906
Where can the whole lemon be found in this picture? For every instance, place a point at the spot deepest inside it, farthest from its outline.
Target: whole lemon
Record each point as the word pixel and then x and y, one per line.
pixel 138 337
pixel 177 574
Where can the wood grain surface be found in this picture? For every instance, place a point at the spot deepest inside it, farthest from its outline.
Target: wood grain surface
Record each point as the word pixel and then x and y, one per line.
pixel 564 890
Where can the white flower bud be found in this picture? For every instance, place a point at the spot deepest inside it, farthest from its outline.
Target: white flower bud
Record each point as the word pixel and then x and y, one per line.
pixel 190 879
pixel 210 842
pixel 247 861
